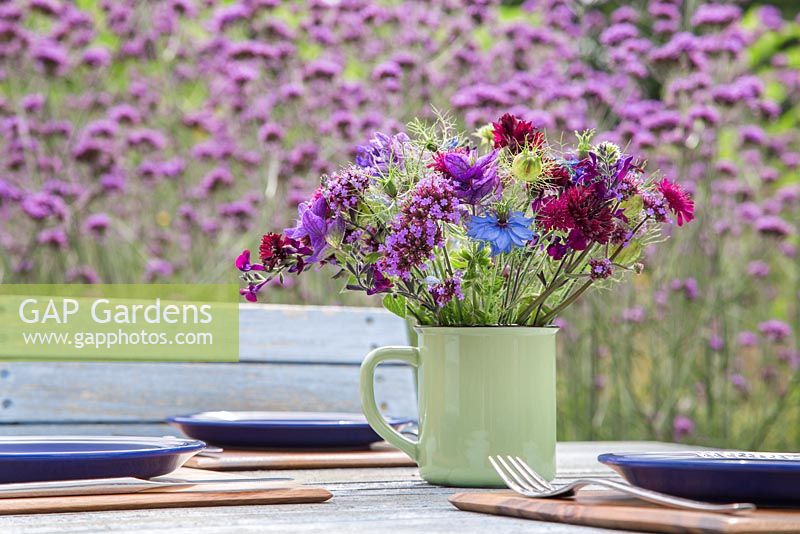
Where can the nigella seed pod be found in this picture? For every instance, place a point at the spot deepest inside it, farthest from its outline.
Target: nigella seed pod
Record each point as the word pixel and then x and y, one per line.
pixel 527 166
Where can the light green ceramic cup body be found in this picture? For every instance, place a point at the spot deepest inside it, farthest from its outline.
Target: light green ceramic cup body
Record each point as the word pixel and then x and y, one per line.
pixel 482 391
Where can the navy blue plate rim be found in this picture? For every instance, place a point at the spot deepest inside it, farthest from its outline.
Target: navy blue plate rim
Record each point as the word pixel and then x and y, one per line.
pixel 168 446
pixel 341 420
pixel 685 460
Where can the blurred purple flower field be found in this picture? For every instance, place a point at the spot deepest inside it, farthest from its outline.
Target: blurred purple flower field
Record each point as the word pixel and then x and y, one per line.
pixel 146 141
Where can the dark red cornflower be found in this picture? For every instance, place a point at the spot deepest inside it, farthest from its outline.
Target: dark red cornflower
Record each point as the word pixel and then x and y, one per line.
pixel 516 134
pixel 581 212
pixel 678 200
pixel 277 249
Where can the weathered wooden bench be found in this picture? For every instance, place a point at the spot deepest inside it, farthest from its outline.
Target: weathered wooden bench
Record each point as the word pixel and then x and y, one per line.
pixel 292 358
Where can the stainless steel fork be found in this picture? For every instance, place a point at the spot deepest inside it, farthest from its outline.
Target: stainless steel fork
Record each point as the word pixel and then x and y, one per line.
pixel 519 477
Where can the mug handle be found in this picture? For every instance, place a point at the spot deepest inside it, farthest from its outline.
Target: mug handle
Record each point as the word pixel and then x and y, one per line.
pixel 409 355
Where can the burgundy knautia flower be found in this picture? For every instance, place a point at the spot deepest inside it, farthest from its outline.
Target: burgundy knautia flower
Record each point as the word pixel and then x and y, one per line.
pixel 279 250
pixel 678 201
pixel 473 178
pixel 445 291
pixel 515 134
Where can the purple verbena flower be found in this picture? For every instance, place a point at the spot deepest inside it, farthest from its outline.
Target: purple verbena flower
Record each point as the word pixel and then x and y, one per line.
pixel 445 291
pixel 682 426
pixel 600 269
pixel 775 330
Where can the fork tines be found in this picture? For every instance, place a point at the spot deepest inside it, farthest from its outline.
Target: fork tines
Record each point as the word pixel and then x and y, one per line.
pixel 518 475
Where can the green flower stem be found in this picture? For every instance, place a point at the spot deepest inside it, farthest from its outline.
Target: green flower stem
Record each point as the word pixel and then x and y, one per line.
pixel 573 297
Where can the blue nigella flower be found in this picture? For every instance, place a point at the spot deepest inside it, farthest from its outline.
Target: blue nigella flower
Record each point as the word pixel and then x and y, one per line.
pixel 502 234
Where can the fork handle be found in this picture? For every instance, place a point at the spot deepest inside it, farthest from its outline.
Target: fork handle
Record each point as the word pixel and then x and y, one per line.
pixel 663 499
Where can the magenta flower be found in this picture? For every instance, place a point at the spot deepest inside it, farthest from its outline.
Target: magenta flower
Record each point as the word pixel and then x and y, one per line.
pixel 250 293
pixel 678 201
pixel 244 265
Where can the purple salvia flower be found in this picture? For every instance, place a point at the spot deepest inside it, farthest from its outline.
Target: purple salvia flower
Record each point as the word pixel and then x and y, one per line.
pixel 473 178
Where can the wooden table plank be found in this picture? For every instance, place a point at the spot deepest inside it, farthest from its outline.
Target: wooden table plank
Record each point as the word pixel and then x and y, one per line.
pixel 365 500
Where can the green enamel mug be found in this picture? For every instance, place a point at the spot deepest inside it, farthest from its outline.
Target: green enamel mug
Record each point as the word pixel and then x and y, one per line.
pixel 481 391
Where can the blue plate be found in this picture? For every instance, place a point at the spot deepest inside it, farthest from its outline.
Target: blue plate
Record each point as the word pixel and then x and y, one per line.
pixel 718 476
pixel 275 430
pixel 42 458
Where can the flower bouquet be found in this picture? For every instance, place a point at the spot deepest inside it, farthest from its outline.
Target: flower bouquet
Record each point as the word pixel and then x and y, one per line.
pixel 482 248
pixel 453 235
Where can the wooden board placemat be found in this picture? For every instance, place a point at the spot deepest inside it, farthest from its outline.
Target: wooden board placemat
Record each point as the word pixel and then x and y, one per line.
pixel 230 494
pixel 243 460
pixel 609 509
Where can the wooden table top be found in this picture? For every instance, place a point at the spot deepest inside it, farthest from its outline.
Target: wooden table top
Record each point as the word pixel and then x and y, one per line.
pixel 390 500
